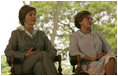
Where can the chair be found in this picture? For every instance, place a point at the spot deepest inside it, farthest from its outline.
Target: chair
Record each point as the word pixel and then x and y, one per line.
pixel 57 58
pixel 75 60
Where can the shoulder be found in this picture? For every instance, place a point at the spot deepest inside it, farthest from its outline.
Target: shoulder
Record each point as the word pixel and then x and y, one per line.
pixel 98 33
pixel 15 32
pixel 40 32
pixel 75 33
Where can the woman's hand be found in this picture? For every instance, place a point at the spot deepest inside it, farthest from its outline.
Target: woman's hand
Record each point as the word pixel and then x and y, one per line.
pixel 93 58
pixel 30 52
pixel 100 55
pixel 89 58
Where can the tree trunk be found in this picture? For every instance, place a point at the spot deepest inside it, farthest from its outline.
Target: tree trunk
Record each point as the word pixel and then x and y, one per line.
pixel 30 3
pixel 55 20
pixel 24 2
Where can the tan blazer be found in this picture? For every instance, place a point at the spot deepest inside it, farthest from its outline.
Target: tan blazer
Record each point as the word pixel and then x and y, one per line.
pixel 20 43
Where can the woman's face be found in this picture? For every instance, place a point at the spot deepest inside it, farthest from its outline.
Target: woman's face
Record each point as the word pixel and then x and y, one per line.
pixel 86 22
pixel 30 18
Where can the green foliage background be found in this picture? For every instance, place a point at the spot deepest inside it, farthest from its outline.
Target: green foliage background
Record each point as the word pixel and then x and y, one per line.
pixel 5 69
pixel 104 20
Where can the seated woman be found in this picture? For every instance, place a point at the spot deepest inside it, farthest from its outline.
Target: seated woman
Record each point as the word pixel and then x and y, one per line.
pixel 95 52
pixel 31 48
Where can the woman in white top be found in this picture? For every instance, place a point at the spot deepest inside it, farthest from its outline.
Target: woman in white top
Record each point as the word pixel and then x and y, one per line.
pixel 95 52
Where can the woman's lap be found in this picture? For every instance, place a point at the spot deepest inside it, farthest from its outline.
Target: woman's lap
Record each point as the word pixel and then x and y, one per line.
pixel 42 60
pixel 97 67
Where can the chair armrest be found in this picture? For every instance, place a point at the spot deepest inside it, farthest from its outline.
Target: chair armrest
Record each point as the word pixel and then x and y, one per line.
pixel 58 58
pixel 75 60
pixel 12 65
pixel 79 68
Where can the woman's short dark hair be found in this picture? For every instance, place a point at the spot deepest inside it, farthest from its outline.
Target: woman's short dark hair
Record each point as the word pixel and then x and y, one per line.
pixel 23 11
pixel 79 17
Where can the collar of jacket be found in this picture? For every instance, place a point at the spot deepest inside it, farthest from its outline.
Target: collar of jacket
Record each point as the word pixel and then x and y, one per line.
pixel 82 34
pixel 27 32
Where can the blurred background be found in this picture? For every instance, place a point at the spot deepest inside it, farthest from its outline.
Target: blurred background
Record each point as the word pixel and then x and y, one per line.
pixel 55 18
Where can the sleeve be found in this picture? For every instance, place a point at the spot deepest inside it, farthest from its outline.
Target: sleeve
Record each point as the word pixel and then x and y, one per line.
pixel 74 48
pixel 106 48
pixel 49 48
pixel 12 48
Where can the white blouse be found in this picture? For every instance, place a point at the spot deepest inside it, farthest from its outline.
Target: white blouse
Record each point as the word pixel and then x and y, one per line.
pixel 88 44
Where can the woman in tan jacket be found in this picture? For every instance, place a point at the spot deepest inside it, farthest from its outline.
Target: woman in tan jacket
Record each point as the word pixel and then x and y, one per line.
pixel 31 48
